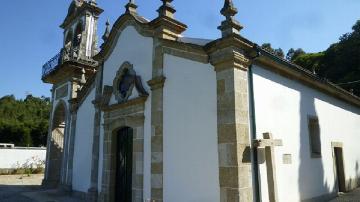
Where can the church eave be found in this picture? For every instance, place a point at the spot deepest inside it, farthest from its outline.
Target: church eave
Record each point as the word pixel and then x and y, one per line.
pixel 234 40
pixel 292 71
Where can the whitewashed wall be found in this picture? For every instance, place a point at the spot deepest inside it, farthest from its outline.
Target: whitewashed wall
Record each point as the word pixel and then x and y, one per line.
pixel 10 158
pixel 282 107
pixel 83 144
pixel 190 132
pixel 138 50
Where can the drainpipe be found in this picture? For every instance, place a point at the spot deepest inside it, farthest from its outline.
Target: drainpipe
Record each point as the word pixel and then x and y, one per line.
pixel 255 163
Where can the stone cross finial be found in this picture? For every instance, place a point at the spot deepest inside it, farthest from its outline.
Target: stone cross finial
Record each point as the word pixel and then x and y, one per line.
pixel 166 9
pixel 229 26
pixel 131 7
pixel 107 31
pixel 229 9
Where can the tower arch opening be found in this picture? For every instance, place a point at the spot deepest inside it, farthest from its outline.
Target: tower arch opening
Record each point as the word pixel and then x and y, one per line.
pixel 56 149
pixel 78 35
pixel 69 38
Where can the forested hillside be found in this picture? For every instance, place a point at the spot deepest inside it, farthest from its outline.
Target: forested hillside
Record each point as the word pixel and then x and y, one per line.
pixel 24 122
pixel 340 63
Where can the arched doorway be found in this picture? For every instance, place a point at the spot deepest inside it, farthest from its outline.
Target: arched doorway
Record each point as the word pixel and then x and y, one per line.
pixel 56 144
pixel 124 164
pixel 123 155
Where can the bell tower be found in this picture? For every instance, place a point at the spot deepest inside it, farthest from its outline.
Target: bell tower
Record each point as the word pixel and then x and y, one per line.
pixel 80 27
pixel 68 71
pixel 79 44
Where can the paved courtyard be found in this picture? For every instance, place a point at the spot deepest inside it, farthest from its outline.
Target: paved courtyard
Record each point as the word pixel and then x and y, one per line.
pixel 353 196
pixel 19 188
pixel 11 187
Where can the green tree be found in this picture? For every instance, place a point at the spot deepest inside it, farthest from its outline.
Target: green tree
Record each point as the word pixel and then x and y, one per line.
pixel 310 61
pixel 278 52
pixel 292 54
pixel 24 122
pixel 340 63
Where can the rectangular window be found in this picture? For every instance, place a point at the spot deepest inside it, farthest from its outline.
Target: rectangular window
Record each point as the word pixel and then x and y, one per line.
pixel 314 136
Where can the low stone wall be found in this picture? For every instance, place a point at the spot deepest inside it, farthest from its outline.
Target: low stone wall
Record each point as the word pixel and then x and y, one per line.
pixel 18 158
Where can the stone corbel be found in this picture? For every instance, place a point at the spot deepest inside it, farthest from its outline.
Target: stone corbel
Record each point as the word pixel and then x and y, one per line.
pixel 157 82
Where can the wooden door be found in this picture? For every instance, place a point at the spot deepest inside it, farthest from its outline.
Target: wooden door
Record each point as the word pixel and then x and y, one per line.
pixel 124 151
pixel 339 164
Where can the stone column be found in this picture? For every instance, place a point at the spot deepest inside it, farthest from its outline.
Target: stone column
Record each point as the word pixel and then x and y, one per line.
pixel 233 121
pixel 65 171
pixel 157 88
pixel 48 141
pixel 71 142
pixel 157 85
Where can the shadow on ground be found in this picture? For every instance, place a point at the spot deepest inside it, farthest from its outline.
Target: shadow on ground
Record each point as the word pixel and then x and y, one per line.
pixel 13 193
pixel 33 193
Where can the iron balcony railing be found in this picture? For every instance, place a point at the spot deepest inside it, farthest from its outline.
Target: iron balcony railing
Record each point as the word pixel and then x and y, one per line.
pixel 66 54
pixel 51 65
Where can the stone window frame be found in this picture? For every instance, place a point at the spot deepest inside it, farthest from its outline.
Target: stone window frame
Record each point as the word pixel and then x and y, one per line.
pixel 62 91
pixel 125 66
pixel 129 114
pixel 314 136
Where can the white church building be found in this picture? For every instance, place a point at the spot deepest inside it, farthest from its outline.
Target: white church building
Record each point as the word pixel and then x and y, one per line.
pixel 152 115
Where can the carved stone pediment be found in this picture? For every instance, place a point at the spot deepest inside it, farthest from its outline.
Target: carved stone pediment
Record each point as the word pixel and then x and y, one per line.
pixel 124 84
pixel 125 81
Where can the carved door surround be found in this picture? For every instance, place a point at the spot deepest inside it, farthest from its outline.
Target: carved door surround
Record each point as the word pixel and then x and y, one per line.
pixel 129 114
pixel 126 113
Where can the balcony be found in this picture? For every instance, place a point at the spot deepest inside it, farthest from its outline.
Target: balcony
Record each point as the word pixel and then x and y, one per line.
pixel 51 65
pixel 66 55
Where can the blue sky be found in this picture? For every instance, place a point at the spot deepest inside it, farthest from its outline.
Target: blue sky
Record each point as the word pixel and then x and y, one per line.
pixel 30 33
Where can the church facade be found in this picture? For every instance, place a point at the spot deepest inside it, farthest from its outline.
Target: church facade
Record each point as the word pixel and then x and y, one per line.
pixel 152 115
